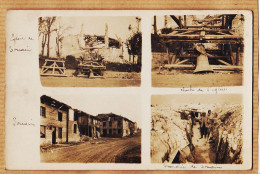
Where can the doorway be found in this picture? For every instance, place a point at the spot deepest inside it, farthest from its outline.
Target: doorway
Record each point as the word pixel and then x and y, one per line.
pixel 54 135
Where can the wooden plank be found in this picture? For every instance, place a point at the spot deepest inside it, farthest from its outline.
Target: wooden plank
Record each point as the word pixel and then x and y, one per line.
pixel 178 66
pixel 230 52
pixel 207 37
pixel 183 61
pixel 237 54
pixel 192 67
pixel 222 61
pixel 204 41
pixel 227 68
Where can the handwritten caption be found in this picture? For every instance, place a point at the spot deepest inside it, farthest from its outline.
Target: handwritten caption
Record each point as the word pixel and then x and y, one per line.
pixel 20 43
pixel 22 123
pixel 182 166
pixel 208 89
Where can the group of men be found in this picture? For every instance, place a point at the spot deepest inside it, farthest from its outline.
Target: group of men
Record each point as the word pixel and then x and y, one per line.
pixel 204 121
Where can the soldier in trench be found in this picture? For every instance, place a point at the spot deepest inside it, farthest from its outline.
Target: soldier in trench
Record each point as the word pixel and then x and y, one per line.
pixel 203 125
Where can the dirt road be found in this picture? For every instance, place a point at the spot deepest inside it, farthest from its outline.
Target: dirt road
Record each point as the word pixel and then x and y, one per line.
pixel 104 150
pixel 186 80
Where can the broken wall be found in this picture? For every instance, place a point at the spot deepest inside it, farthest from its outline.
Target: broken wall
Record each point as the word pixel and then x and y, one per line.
pixel 168 135
pixel 228 135
pixel 50 121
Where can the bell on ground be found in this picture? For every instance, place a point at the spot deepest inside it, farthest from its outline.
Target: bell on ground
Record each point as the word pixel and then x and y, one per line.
pixel 202 65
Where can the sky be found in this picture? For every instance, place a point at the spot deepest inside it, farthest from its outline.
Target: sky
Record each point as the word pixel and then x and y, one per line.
pixel 126 105
pixel 196 99
pixel 117 26
pixel 170 21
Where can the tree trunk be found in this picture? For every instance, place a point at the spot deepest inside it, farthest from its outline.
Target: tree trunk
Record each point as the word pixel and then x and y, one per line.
pixel 58 46
pixel 48 43
pixel 43 44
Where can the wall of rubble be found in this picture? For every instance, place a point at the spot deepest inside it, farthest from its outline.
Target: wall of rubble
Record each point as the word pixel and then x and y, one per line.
pixel 169 136
pixel 227 134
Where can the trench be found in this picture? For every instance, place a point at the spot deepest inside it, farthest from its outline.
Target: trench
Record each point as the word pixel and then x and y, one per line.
pixel 198 151
pixel 174 140
pixel 215 149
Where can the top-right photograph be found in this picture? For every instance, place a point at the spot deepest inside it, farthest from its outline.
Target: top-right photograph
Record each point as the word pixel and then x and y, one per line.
pixel 198 50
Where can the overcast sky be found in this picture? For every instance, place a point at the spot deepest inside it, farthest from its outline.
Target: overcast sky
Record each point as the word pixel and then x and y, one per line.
pixel 117 26
pixel 127 105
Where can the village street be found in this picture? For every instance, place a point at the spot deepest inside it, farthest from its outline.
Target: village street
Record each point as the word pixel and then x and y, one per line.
pixel 103 150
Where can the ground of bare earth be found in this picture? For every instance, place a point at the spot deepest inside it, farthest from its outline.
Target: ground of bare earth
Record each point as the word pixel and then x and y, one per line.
pixel 110 79
pixel 184 79
pixel 103 150
pixel 202 152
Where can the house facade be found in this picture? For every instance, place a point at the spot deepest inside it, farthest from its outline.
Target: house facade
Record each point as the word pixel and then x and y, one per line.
pixel 56 125
pixel 59 123
pixel 88 124
pixel 113 125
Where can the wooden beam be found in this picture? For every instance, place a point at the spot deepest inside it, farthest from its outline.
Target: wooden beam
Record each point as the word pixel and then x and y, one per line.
pixel 207 37
pixel 185 22
pixel 204 41
pixel 226 68
pixel 222 61
pixel 230 52
pixel 237 54
pixel 169 66
pixel 155 25
pixel 183 61
pixel 180 22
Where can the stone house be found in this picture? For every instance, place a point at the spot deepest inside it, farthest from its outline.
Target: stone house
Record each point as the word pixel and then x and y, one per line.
pixel 56 123
pixel 89 125
pixel 60 123
pixel 113 125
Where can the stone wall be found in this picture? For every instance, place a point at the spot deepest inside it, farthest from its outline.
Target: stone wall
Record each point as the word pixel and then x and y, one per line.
pixel 51 122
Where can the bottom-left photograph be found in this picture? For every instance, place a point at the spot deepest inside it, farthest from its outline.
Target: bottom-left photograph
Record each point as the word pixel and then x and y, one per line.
pixel 89 131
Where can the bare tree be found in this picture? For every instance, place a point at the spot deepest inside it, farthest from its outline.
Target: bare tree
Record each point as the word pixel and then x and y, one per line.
pixel 60 30
pixel 49 21
pixel 42 32
pixel 134 42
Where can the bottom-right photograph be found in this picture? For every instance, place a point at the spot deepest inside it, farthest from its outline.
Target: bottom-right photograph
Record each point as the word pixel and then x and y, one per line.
pixel 197 128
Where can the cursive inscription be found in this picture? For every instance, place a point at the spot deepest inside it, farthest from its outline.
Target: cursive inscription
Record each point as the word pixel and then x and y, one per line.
pixel 21 123
pixel 209 89
pixel 20 43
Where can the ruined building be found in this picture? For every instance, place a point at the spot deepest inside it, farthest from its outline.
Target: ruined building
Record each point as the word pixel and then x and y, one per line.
pixel 57 125
pixel 60 123
pixel 113 125
pixel 88 124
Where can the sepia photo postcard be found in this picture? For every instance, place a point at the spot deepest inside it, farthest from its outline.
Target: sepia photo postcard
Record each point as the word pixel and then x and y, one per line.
pixel 200 129
pixel 106 135
pixel 129 90
pixel 90 51
pixel 188 49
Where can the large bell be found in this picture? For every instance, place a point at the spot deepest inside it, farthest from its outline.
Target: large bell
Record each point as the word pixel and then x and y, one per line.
pixel 202 65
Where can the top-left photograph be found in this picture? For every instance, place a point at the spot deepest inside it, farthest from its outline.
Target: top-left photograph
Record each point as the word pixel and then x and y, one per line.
pixel 92 51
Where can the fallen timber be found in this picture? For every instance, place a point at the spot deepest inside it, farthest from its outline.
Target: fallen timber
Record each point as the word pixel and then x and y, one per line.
pixel 192 67
pixel 180 45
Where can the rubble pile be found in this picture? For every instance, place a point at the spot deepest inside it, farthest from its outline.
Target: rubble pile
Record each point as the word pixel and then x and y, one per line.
pixel 227 134
pixel 169 136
